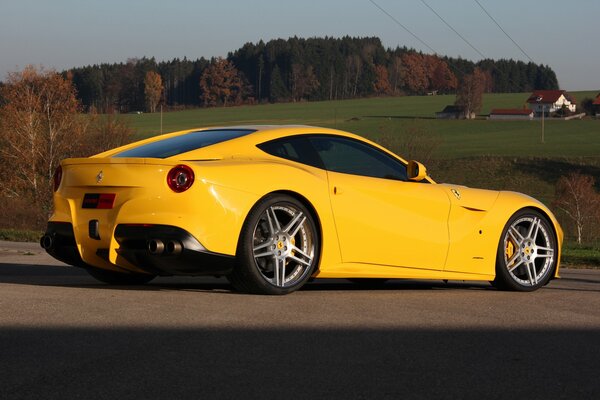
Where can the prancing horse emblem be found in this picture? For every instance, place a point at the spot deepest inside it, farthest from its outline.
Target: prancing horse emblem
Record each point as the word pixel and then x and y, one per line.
pixel 456 193
pixel 99 177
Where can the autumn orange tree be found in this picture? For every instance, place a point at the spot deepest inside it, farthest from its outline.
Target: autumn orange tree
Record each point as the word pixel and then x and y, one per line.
pixel 152 90
pixel 40 126
pixel 416 79
pixel 441 78
pixel 382 82
pixel 576 197
pixel 221 84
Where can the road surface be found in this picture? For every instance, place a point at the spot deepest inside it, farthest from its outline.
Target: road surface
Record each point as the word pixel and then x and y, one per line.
pixel 63 335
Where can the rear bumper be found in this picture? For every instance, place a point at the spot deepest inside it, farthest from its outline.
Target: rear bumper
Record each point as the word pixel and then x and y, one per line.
pixel 59 242
pixel 188 256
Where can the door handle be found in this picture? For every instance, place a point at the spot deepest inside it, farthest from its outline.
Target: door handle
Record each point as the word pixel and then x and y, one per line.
pixel 337 190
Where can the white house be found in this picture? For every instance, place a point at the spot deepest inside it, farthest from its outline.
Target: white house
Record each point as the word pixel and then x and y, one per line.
pixel 550 101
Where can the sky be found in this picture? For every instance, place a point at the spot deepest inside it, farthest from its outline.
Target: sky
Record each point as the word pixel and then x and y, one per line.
pixel 61 34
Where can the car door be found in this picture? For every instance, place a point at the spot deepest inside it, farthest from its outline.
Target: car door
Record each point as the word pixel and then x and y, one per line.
pixel 380 216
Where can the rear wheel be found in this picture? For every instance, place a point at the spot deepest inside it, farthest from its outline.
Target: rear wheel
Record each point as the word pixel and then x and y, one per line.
pixel 119 278
pixel 527 252
pixel 278 249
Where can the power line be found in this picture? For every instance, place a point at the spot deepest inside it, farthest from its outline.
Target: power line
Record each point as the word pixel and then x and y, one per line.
pixel 403 27
pixel 453 30
pixel 502 29
pixel 450 65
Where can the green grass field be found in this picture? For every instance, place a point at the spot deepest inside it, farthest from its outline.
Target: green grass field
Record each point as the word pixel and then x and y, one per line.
pixel 394 115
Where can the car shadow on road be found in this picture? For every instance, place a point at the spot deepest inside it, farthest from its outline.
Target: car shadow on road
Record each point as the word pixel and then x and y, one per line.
pixel 66 276
pixel 298 363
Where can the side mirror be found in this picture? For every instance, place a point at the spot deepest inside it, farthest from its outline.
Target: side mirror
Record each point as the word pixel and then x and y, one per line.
pixel 416 171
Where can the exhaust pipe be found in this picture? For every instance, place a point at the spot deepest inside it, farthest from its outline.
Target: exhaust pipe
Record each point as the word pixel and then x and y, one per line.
pixel 47 242
pixel 173 248
pixel 156 247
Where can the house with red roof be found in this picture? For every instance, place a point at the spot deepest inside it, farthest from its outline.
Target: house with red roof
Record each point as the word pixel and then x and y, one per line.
pixel 596 105
pixel 550 101
pixel 511 113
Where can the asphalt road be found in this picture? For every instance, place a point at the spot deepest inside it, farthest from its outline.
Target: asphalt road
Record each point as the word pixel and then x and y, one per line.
pixel 62 335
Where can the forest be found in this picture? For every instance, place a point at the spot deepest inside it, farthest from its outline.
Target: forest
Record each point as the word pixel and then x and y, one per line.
pixel 294 69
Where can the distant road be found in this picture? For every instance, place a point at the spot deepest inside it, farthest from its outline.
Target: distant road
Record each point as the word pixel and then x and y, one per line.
pixel 63 335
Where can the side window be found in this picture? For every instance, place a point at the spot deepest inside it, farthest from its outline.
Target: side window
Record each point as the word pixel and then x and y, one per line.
pixel 295 148
pixel 353 157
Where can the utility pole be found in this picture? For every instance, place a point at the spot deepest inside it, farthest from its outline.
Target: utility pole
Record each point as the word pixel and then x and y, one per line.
pixel 161 119
pixel 539 101
pixel 543 116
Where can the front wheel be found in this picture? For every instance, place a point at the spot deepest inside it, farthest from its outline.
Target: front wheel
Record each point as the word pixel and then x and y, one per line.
pixel 527 252
pixel 278 248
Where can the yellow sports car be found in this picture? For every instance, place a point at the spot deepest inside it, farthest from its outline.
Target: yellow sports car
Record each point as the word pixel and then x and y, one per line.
pixel 272 206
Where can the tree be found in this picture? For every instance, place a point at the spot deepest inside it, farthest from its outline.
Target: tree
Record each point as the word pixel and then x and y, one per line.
pixel 152 90
pixel 587 106
pixel 304 82
pixel 221 83
pixel 470 93
pixel 576 197
pixel 415 79
pixel 396 74
pixel 105 132
pixel 278 90
pixel 382 82
pixel 40 127
pixel 442 78
pixel 353 69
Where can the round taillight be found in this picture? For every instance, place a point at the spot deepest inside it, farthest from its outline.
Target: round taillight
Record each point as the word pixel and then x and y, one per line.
pixel 57 178
pixel 180 178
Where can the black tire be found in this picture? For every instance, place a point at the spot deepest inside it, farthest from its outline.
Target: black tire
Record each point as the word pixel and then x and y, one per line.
pixel 526 257
pixel 271 260
pixel 119 278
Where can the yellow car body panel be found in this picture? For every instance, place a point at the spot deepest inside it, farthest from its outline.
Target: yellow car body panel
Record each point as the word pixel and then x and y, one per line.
pixel 369 227
pixel 372 216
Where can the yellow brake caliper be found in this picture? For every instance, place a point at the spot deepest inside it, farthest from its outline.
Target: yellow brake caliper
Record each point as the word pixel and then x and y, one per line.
pixel 510 249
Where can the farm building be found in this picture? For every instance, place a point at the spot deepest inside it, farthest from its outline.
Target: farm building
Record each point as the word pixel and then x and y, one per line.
pixel 511 113
pixel 453 112
pixel 550 101
pixel 596 105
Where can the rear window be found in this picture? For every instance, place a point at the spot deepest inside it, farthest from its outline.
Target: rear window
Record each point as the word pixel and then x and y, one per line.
pixel 183 143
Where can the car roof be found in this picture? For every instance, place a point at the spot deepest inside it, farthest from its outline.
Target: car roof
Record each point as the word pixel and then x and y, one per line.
pixel 240 146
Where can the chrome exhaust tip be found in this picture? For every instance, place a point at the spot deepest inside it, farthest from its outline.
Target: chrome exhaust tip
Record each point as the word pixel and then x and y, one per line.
pixel 173 247
pixel 47 242
pixel 156 246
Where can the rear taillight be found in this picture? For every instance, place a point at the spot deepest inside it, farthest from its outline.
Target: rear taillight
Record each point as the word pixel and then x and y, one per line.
pixel 180 178
pixel 57 177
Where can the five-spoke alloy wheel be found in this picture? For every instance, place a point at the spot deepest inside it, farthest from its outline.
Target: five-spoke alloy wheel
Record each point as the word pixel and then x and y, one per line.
pixel 527 252
pixel 278 249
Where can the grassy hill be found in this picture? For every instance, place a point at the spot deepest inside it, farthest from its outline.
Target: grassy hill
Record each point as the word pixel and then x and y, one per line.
pixel 376 117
